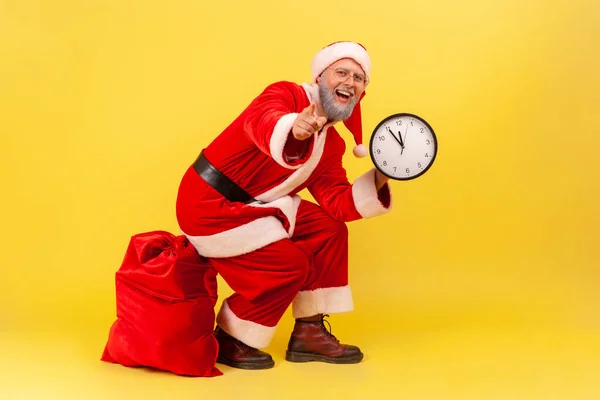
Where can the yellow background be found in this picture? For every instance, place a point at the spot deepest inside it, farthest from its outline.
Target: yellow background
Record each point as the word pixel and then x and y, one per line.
pixel 483 281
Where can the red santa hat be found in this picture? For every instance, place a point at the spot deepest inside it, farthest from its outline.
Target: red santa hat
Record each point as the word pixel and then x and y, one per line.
pixel 332 53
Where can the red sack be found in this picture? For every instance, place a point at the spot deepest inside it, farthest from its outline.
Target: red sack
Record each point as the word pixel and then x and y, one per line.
pixel 166 295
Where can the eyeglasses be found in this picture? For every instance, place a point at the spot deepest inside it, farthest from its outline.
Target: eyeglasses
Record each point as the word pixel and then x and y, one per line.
pixel 342 74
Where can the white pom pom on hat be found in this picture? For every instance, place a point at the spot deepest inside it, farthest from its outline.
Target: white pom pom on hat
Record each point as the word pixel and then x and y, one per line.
pixel 332 53
pixel 360 151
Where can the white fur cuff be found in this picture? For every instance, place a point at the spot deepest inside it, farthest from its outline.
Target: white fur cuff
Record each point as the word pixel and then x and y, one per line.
pixel 251 333
pixel 279 138
pixel 365 196
pixel 322 301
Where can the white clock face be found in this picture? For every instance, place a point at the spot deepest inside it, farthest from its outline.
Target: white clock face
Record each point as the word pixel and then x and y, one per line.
pixel 403 146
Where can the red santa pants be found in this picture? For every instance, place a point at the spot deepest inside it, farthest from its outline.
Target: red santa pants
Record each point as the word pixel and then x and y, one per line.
pixel 309 271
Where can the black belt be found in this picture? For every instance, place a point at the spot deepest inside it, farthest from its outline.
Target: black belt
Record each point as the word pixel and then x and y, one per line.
pixel 220 182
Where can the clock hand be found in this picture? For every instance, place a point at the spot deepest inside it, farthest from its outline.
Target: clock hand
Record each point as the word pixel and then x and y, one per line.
pixel 394 136
pixel 402 142
pixel 400 137
pixel 405 133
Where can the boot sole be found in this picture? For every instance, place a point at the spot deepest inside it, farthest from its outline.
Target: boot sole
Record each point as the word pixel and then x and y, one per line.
pixel 300 357
pixel 245 365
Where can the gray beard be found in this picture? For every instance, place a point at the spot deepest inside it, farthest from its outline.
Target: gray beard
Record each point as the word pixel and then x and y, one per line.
pixel 333 111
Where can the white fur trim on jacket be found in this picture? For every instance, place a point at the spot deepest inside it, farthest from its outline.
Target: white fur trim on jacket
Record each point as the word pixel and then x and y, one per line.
pixel 251 236
pixel 248 332
pixel 288 206
pixel 279 137
pixel 322 301
pixel 240 240
pixel 365 196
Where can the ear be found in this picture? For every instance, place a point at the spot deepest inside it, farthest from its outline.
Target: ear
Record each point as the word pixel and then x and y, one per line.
pixel 319 80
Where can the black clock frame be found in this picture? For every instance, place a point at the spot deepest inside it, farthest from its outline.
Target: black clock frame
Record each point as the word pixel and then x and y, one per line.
pixel 435 144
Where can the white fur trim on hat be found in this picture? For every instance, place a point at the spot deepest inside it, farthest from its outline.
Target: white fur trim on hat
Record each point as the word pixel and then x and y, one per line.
pixel 337 51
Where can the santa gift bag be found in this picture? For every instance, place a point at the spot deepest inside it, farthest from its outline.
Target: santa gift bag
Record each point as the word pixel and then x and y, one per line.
pixel 166 295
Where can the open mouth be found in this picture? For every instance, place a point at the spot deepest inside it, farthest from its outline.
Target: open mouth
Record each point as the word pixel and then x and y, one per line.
pixel 343 95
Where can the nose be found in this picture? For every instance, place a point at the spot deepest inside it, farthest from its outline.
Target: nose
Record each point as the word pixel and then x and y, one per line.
pixel 352 81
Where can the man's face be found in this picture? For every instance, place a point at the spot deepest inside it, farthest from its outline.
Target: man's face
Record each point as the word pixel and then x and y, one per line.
pixel 340 88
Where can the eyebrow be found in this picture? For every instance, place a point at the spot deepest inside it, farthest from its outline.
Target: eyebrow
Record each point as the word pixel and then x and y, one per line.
pixel 355 73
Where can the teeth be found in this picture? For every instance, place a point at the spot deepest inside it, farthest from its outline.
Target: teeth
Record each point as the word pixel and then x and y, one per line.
pixel 344 93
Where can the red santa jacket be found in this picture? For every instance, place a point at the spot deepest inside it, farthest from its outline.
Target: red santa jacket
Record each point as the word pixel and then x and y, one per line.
pixel 258 152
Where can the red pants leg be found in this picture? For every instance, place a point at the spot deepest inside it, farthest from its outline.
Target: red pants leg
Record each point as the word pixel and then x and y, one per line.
pixel 265 282
pixel 325 242
pixel 310 270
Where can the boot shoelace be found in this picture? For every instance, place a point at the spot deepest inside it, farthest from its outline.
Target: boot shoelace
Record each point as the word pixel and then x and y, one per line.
pixel 325 329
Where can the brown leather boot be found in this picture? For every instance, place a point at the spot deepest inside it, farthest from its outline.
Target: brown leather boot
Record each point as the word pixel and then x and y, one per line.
pixel 237 354
pixel 311 341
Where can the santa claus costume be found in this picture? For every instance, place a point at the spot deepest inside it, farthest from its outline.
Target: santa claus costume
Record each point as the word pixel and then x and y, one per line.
pixel 238 206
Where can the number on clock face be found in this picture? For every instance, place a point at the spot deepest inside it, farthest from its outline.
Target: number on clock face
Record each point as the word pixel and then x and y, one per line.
pixel 403 146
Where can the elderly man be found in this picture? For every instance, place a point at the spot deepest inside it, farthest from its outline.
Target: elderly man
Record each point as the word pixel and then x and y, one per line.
pixel 238 206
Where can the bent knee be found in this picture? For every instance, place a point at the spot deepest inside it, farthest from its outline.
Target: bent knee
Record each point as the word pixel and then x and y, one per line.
pixel 338 228
pixel 296 262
